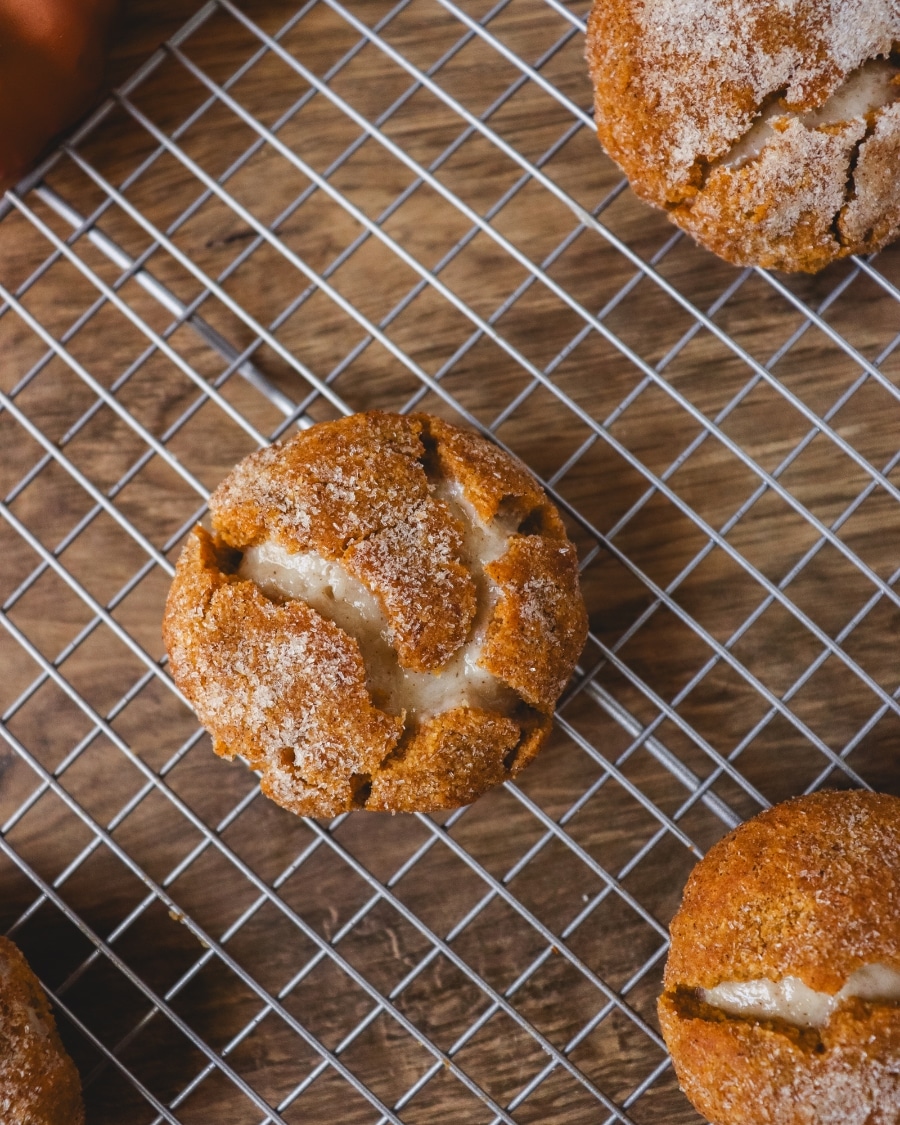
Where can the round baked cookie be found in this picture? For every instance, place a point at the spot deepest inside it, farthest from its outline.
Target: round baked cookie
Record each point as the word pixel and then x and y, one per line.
pixel 767 129
pixel 782 985
pixel 39 1084
pixel 383 616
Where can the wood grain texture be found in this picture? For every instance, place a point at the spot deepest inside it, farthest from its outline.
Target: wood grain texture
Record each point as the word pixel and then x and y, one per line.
pixel 539 892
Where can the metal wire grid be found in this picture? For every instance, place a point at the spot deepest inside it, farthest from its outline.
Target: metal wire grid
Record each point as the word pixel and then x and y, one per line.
pixel 291 212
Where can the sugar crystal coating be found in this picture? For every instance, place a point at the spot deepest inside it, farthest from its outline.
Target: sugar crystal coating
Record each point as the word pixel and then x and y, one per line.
pixel 806 892
pixel 383 616
pixel 39 1084
pixel 680 86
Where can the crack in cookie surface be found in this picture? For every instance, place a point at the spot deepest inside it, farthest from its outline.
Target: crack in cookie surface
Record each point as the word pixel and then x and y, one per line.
pixel 865 92
pixel 794 1002
pixel 329 588
pixel 273 681
pixel 421 639
pixel 802 898
pixel 358 492
pixel 700 105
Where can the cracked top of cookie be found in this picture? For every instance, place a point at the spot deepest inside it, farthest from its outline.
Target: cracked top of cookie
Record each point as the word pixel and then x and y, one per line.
pixel 679 82
pixel 781 984
pixel 768 130
pixel 383 615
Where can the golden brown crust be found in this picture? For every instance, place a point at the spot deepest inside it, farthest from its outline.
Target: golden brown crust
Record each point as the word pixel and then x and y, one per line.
pixel 780 210
pixel 740 1072
pixel 872 215
pixel 491 480
pixel 356 489
pixel 274 680
pixel 39 1084
pixel 808 889
pixel 411 567
pixel 539 625
pixel 678 84
pixel 328 487
pixel 819 880
pixel 453 758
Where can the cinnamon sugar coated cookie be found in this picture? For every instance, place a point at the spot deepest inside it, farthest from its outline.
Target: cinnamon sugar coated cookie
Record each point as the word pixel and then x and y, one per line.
pixel 39 1084
pixel 383 616
pixel 767 129
pixel 782 986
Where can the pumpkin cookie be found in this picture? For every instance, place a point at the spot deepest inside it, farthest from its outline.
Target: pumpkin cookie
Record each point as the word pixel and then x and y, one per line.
pixel 769 131
pixel 383 616
pixel 782 986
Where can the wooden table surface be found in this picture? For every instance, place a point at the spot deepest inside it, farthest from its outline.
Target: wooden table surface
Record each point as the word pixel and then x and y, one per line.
pixel 724 446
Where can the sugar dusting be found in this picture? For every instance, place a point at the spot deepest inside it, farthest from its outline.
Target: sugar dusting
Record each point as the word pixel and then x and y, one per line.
pixel 791 195
pixel 37 1080
pixel 289 680
pixel 335 487
pixel 808 889
pixel 728 48
pixel 844 1086
pixel 414 567
pixel 332 591
pixel 870 88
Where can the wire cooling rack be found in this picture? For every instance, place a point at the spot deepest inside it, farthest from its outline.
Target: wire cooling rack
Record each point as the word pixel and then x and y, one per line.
pixel 290 212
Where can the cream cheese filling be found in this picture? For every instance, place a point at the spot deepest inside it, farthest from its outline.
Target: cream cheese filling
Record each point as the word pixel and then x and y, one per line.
pixel 794 1002
pixel 871 87
pixel 328 588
